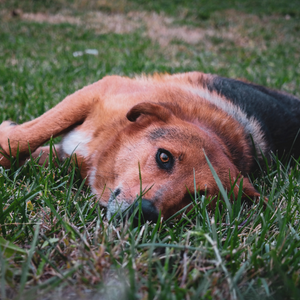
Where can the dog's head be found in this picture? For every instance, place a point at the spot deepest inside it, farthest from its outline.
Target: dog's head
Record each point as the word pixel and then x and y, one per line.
pixel 162 156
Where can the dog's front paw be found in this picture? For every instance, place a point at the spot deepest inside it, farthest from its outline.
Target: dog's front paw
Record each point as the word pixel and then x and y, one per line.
pixel 4 162
pixel 6 124
pixel 5 129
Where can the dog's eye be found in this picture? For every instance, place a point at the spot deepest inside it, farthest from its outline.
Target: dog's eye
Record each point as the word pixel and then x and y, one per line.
pixel 164 159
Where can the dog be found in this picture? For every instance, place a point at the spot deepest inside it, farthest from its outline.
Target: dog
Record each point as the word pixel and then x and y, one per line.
pixel 164 128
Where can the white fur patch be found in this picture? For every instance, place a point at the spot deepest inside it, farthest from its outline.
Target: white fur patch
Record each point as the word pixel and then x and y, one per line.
pixel 116 205
pixel 251 126
pixel 92 180
pixel 75 142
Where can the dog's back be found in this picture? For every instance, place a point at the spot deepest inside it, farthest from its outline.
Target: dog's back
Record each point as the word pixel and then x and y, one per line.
pixel 277 113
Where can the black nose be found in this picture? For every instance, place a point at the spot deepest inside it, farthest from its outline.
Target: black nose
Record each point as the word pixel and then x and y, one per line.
pixel 148 213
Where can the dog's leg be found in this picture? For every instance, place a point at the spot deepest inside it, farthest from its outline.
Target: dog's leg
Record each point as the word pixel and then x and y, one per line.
pixel 43 153
pixel 73 110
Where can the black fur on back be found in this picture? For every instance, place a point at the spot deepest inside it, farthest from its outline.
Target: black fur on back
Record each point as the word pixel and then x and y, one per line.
pixel 278 113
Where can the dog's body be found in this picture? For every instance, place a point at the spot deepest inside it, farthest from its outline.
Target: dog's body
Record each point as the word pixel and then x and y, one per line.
pixel 163 125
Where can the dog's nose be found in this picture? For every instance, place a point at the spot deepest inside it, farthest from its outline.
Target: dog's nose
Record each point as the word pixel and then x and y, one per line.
pixel 148 213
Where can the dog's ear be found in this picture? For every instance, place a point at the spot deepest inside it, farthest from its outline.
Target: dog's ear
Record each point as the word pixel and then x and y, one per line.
pixel 149 108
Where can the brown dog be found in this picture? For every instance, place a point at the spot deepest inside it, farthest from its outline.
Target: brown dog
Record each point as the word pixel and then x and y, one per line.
pixel 163 125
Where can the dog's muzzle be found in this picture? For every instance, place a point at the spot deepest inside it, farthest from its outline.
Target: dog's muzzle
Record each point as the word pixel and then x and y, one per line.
pixel 120 208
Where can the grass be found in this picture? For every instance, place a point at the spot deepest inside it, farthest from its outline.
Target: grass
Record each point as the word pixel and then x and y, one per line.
pixel 55 240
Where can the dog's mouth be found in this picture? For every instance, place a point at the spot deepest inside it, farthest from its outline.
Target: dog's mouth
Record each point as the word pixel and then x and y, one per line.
pixel 142 210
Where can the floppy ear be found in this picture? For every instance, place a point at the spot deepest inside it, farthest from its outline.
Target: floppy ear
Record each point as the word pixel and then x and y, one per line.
pixel 149 108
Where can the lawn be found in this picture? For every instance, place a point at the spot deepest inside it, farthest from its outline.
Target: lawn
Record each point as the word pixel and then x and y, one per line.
pixel 55 240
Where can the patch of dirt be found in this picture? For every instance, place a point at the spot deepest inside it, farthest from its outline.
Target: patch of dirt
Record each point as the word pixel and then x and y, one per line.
pixel 159 27
pixel 51 19
pixel 111 23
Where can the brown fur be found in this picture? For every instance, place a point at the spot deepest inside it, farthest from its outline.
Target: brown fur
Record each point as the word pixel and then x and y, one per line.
pixel 162 113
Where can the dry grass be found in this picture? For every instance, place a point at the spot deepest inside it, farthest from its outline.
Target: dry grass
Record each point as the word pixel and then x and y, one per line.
pixel 163 29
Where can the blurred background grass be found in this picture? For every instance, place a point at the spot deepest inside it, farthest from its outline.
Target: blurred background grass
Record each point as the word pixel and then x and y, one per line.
pixel 255 40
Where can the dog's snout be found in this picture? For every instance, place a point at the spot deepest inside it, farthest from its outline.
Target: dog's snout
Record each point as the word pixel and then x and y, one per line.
pixel 116 193
pixel 148 212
